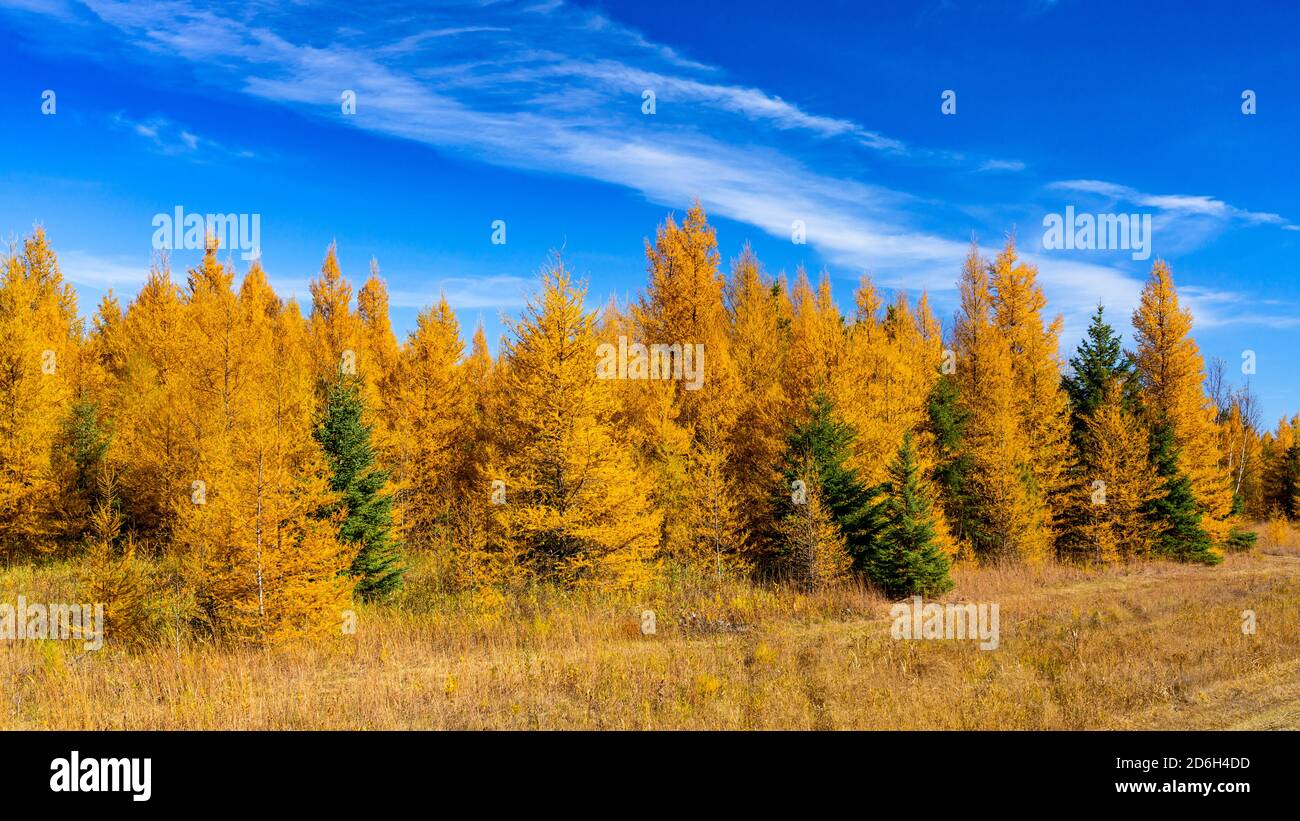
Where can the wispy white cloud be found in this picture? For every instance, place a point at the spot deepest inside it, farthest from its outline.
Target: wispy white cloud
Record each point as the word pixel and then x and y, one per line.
pixel 549 87
pixel 1215 307
pixel 171 139
pixel 466 293
pixel 1001 165
pixel 414 43
pixel 56 8
pixel 750 103
pixel 122 274
pixel 1196 205
pixel 851 223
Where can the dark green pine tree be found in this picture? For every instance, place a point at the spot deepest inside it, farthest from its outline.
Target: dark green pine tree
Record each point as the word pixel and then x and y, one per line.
pixel 908 560
pixel 1099 360
pixel 828 442
pixel 79 453
pixel 82 444
pixel 368 521
pixel 954 468
pixel 1174 514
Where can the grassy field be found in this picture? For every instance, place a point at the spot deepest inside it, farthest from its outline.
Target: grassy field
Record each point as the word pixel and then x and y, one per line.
pixel 1155 645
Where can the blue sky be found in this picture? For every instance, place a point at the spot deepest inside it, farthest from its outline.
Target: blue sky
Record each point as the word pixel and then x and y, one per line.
pixel 531 112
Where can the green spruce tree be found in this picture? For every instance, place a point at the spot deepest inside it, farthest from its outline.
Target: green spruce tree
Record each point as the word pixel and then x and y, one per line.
pixel 78 457
pixel 826 442
pixel 368 520
pixel 954 468
pixel 908 560
pixel 1099 360
pixel 1174 513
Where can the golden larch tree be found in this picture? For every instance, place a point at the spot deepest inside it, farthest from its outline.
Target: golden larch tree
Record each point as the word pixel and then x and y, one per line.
pixel 577 509
pixel 688 423
pixel 40 341
pixel 817 550
pixel 1041 402
pixel 266 565
pixel 1013 523
pixel 433 410
pixel 153 446
pixel 335 328
pixel 1107 509
pixel 377 360
pixel 759 341
pixel 817 341
pixel 683 304
pixel 1280 470
pixel 476 558
pixel 1171 375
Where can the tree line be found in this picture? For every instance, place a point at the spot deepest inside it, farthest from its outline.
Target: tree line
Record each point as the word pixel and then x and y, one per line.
pixel 208 455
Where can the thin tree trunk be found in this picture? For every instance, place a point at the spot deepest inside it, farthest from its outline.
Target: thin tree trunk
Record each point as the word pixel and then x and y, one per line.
pixel 261 601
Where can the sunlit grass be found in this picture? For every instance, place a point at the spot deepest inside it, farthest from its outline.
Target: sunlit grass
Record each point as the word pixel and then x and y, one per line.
pixel 1151 645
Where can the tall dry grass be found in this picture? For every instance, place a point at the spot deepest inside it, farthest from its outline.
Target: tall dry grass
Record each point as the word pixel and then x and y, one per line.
pixel 1139 646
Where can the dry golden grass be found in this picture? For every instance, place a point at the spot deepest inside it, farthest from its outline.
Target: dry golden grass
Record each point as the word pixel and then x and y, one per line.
pixel 1152 645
